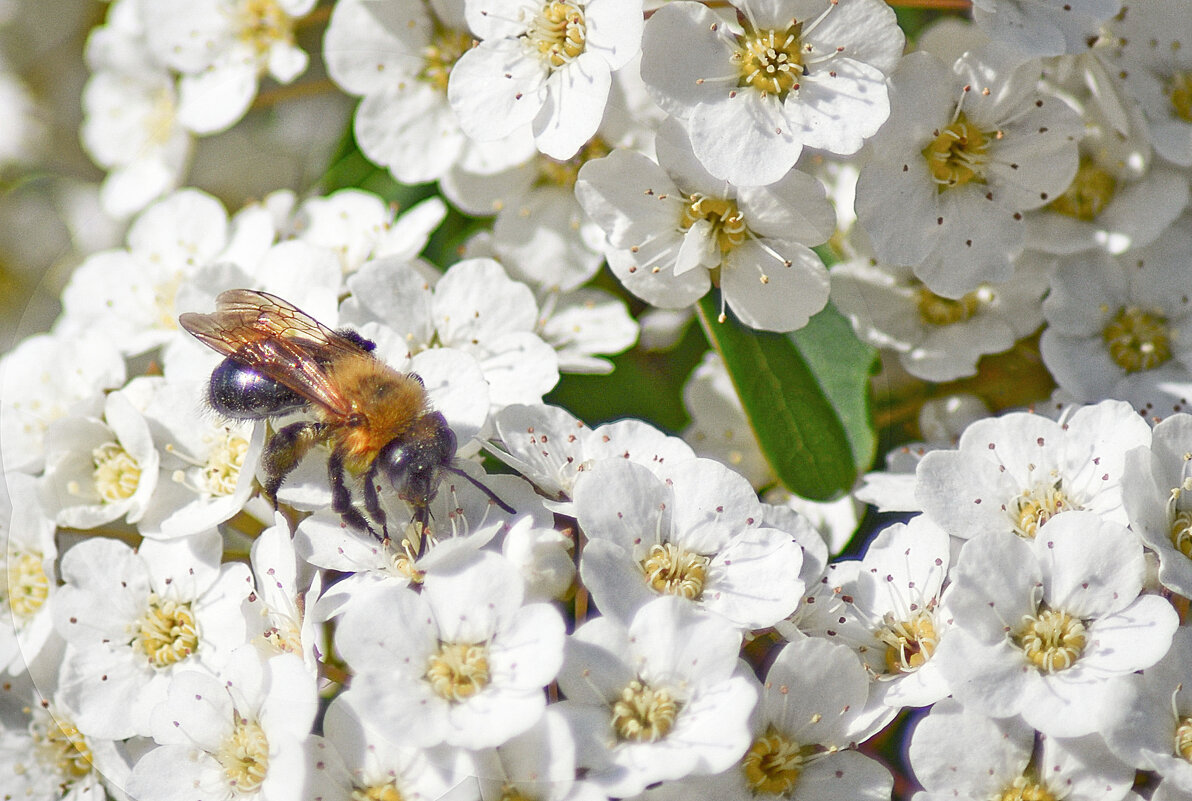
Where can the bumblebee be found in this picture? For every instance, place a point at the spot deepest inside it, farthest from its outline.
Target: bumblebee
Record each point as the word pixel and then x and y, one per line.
pixel 377 421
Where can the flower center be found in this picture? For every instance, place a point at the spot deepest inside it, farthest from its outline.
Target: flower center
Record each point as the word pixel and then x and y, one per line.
pixel 672 570
pixel 1137 340
pixel 1088 194
pixel 262 23
pixel 644 714
pixel 559 33
pixel 958 154
pixel 438 57
pixel 1181 533
pixel 511 793
pixel 1180 91
pixel 244 756
pixel 937 310
pixel 563 173
pixel 909 643
pixel 1036 506
pixel 772 765
pixel 58 743
pixel 1051 640
pixel 770 61
pixel 1024 789
pixel 459 671
pixel 166 633
pixel 116 474
pixel 224 461
pixel 1183 739
pixel 28 586
pixel 728 222
pixel 377 792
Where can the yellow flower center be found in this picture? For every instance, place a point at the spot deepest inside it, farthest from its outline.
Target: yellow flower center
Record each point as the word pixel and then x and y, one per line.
pixel 438 57
pixel 58 743
pixel 1179 89
pixel 1036 506
pixel 459 671
pixel 1137 340
pixel 728 222
pixel 958 154
pixel 1181 532
pixel 261 24
pixel 378 792
pixel 772 765
pixel 28 585
pixel 1024 789
pixel 909 643
pixel 1183 739
pixel 116 474
pixel 564 173
pixel 511 793
pixel 166 633
pixel 1088 194
pixel 559 33
pixel 224 460
pixel 244 756
pixel 770 60
pixel 670 569
pixel 643 714
pixel 1052 640
pixel 937 310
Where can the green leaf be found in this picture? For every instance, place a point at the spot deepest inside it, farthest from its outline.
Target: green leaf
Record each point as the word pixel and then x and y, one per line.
pixel 843 365
pixel 797 394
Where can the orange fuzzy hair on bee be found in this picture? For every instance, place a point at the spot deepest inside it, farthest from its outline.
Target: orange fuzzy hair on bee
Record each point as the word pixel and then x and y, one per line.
pixel 385 405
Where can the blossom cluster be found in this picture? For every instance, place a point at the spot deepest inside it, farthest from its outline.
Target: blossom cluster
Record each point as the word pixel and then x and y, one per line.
pixel 611 611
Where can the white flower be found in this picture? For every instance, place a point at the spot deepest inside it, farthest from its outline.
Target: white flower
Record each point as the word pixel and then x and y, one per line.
pixel 891 612
pixel 284 622
pixel 238 735
pixel 27 562
pixel 544 557
pixel 1043 27
pixel 134 619
pixel 552 449
pixel 1151 733
pixel 41 380
pixel 658 700
pixel 938 338
pixel 539 763
pixel 1157 492
pixel 352 761
pixel 795 73
pixel 1154 65
pixel 584 325
pixel 697 536
pixel 130 125
pixel 805 720
pixel 359 225
pixel 222 49
pixel 462 663
pixel 966 152
pixel 673 229
pixel 1121 327
pixel 1014 473
pixel 474 308
pixel 548 64
pixel 100 467
pixel 398 54
pixel 957 752
pixel 1052 628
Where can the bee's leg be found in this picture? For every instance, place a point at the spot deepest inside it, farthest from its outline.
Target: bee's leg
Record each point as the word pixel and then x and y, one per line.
pixel 372 501
pixel 284 451
pixel 341 496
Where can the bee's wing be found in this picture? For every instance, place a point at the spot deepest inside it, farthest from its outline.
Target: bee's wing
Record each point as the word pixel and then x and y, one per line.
pixel 276 339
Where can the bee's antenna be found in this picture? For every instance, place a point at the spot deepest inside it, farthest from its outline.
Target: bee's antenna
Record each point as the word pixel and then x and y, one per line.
pixel 492 496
